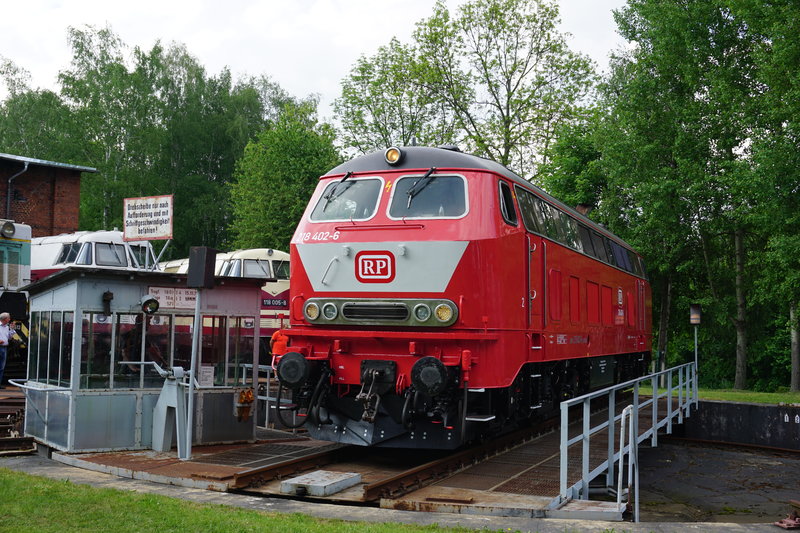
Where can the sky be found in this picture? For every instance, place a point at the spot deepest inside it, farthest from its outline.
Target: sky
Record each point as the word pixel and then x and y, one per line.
pixel 306 46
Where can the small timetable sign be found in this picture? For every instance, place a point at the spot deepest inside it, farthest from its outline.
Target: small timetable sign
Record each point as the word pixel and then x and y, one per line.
pixel 148 218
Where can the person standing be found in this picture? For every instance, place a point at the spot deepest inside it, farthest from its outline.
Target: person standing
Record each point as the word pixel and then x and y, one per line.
pixel 5 336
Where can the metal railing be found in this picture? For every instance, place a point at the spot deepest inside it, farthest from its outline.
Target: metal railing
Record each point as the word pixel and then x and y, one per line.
pixel 681 385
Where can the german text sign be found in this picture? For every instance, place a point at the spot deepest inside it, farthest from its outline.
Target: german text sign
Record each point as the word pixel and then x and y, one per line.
pixel 148 218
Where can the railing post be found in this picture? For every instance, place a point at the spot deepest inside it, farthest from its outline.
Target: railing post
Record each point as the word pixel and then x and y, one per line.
pixel 612 401
pixel 654 438
pixel 564 451
pixel 680 396
pixel 585 444
pixel 670 394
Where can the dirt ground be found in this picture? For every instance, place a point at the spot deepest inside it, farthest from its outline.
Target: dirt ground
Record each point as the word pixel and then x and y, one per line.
pixel 682 482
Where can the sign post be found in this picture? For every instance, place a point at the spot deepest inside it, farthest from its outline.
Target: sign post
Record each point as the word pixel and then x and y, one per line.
pixel 695 313
pixel 148 218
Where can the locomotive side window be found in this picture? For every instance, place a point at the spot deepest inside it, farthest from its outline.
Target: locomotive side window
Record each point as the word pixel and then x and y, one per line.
pixel 507 204
pixel 570 229
pixel 353 199
pixel 429 197
pixel 528 209
pixel 586 240
pixel 599 246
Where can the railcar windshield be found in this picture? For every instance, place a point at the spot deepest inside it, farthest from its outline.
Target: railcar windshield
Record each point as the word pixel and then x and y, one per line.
pixel 440 197
pixel 140 254
pixel 256 268
pixel 354 199
pixel 281 269
pixel 69 252
pixel 107 254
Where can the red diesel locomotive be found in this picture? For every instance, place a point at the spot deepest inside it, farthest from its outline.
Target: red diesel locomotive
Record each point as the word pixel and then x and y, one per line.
pixel 437 297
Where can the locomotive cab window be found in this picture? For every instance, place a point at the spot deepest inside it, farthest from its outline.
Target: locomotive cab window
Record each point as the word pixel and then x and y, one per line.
pixel 351 199
pixel 507 204
pixel 429 196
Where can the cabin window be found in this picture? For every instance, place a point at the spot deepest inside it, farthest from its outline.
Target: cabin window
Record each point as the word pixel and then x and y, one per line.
pixel 280 269
pixel 107 254
pixel 213 351
pixel 507 204
pixel 352 199
pixel 129 335
pixel 95 351
pixel 256 268
pixel 240 348
pixel 434 196
pixel 54 353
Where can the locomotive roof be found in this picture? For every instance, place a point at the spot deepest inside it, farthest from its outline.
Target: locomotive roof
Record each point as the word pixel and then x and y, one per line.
pixel 425 157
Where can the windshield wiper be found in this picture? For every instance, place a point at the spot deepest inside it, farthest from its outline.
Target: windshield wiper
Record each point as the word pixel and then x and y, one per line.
pixel 332 194
pixel 413 191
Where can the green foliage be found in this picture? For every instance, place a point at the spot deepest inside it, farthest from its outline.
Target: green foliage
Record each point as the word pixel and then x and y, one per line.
pixel 384 103
pixel 496 76
pixel 36 504
pixel 152 122
pixel 277 175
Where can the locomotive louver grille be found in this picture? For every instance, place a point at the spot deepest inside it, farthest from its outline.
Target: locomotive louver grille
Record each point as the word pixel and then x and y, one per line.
pixel 375 311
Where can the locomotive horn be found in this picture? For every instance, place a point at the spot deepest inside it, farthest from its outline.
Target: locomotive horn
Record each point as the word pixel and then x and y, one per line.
pixel 429 376
pixel 293 370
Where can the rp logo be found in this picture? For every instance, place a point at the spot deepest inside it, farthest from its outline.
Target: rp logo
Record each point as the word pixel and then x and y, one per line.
pixel 375 267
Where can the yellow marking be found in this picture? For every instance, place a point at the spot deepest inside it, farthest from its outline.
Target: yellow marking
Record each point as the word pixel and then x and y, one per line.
pixel 387 186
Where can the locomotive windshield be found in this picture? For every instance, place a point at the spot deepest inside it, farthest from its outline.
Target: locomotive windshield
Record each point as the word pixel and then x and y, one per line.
pixel 354 199
pixel 433 197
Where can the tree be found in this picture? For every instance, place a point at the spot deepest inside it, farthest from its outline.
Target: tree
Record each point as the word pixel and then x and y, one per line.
pixel 277 175
pixel 506 73
pixel 676 150
pixel 384 103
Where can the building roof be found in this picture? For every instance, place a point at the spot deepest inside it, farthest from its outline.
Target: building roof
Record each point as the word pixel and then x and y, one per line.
pixel 42 162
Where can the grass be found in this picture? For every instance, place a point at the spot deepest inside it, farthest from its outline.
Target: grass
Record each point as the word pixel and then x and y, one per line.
pixel 35 504
pixel 742 396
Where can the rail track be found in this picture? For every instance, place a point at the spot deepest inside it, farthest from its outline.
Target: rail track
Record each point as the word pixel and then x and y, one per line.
pixel 386 473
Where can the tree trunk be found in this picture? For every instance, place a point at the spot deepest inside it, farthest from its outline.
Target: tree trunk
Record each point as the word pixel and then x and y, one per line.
pixel 795 335
pixel 663 327
pixel 741 313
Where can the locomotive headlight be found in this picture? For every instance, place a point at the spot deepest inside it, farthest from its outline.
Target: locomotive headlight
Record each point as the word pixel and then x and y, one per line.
pixel 443 312
pixel 311 311
pixel 329 311
pixel 393 155
pixel 422 312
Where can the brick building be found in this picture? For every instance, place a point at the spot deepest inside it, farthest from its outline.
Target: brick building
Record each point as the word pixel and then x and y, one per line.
pixel 42 194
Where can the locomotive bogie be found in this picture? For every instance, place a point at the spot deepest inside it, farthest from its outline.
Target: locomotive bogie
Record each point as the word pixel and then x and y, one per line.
pixel 439 303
